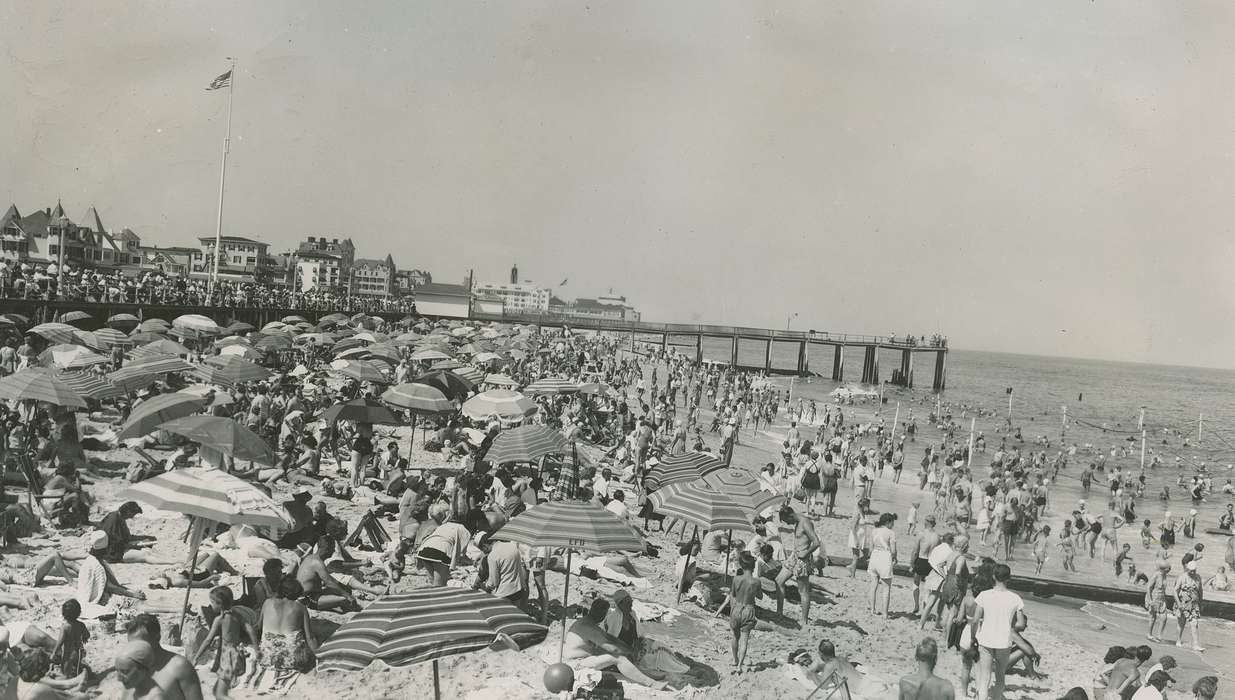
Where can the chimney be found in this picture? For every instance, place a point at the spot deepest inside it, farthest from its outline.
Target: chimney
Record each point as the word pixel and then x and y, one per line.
pixel 335 241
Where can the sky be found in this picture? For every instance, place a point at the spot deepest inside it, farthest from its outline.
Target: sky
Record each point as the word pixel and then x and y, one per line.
pixel 1050 177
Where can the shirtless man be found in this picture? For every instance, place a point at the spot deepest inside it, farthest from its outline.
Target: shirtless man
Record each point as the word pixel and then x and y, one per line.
pixel 923 546
pixel 173 673
pixel 923 684
pixel 589 646
pixel 1111 522
pixel 798 567
pixel 321 590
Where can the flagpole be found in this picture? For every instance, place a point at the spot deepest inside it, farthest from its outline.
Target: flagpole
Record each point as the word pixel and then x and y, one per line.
pixel 227 141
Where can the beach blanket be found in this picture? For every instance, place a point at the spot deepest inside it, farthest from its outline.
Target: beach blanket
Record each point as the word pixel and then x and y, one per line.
pixel 597 564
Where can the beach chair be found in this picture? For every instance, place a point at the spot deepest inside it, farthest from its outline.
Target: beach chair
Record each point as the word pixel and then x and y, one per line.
pixel 844 683
pixel 371 528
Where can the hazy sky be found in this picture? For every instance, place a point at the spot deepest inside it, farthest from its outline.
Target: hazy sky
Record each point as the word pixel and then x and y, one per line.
pixel 1046 177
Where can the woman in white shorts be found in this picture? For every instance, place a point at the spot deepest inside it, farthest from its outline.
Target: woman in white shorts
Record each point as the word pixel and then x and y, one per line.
pixel 882 558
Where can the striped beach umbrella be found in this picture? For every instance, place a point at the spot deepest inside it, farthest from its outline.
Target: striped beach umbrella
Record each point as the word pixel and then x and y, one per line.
pixel 40 384
pixel 55 332
pixel 429 355
pixel 154 325
pixel 446 364
pixel 486 357
pixel 500 380
pixel 363 371
pixel 241 350
pixel 526 443
pixel 743 487
pixel 230 370
pixel 158 363
pixel 74 317
pixel 109 337
pixel 122 319
pixel 452 385
pixel 698 505
pixel 277 341
pixel 672 469
pixel 238 327
pixel 91 385
pixel 418 398
pixel 295 319
pixel 66 356
pixel 506 405
pixel 471 374
pixel 139 337
pixel 401 629
pixel 551 386
pixel 224 435
pixel 583 526
pixel 150 414
pixel 210 494
pixel 162 346
pixel 17 319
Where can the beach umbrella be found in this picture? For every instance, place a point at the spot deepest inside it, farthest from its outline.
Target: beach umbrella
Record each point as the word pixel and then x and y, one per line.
pixel 446 364
pixel 236 327
pixel 75 316
pixel 229 370
pixel 698 504
pixel 485 357
pixel 595 389
pixel 201 391
pixel 66 356
pixel 335 318
pixel 109 337
pixel 348 344
pixel 385 351
pixel 55 332
pixel 144 337
pixel 242 351
pixel 353 354
pixel 151 413
pixel 526 443
pixel 743 487
pixel 500 380
pixel 197 322
pixel 418 398
pixel 672 469
pixel 471 374
pixel 452 385
pixel 401 629
pixel 40 384
pixel 365 336
pixel 316 338
pixel 360 411
pixel 506 405
pixel 162 346
pixel 551 386
pixel 584 526
pixel 363 371
pixel 122 319
pixel 517 354
pixel 90 385
pixel 295 319
pixel 274 327
pixel 207 495
pixel 143 372
pixel 232 340
pixel 224 435
pixel 17 319
pixel 273 342
pixel 429 355
pixel 154 325
pixel 87 338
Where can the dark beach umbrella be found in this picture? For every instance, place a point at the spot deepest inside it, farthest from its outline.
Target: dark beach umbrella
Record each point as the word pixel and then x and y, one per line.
pixel 452 385
pixel 360 411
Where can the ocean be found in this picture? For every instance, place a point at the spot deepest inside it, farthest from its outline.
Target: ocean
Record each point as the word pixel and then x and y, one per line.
pixel 1189 412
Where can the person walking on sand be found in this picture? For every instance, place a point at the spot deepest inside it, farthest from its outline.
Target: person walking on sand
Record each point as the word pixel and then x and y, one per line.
pixel 798 567
pixel 922 548
pixel 998 612
pixel 745 591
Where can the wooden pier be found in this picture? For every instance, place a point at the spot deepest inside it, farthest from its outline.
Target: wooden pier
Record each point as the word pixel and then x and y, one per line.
pixel 808 342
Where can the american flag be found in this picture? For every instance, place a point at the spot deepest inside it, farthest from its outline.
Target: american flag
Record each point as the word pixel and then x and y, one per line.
pixel 220 82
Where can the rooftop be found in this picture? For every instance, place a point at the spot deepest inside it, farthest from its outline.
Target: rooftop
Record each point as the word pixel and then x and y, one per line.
pixel 232 239
pixel 443 289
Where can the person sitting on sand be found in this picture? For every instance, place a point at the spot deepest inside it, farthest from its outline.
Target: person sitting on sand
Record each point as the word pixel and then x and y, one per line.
pixel 287 642
pixel 174 675
pixel 122 545
pixel 321 590
pixel 96 582
pixel 923 684
pixel 838 675
pixel 588 646
pixel 1219 581
pixel 34 684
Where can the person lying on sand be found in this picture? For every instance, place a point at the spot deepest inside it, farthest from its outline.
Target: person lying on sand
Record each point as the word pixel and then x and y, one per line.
pixel 589 646
pixel 205 573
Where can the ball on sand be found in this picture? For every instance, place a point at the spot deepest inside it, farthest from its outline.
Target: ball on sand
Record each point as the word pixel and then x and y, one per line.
pixel 559 677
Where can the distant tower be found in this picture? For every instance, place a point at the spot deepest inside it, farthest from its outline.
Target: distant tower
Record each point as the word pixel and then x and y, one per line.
pixel 514 274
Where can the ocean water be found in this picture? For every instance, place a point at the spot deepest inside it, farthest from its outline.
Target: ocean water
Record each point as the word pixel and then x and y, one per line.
pixel 1189 413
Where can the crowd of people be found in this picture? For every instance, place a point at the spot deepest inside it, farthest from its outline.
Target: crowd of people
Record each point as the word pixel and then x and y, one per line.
pixel 444 512
pixel 156 288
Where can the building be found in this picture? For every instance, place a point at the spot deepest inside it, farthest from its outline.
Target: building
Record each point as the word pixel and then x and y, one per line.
pixel 242 257
pixel 448 300
pixel 407 281
pixel 517 298
pixel 373 278
pixel 607 307
pixel 14 245
pixel 320 271
pixel 39 237
pixel 174 261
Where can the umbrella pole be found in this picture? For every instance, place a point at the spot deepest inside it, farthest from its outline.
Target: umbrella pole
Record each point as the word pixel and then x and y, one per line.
pixel 437 688
pixel 687 567
pixel 728 550
pixel 199 527
pixel 561 649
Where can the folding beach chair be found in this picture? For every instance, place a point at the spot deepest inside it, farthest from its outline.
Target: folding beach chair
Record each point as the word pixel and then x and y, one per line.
pixel 369 527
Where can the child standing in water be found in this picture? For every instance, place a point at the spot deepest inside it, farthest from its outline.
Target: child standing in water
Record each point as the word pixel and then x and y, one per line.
pixel 71 647
pixel 1124 555
pixel 1039 546
pixel 1067 544
pixel 1147 536
pixel 913 518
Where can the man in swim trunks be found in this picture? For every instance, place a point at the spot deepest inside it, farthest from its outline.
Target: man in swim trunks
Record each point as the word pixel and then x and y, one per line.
pixel 746 589
pixel 923 684
pixel 321 590
pixel 923 546
pixel 798 567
